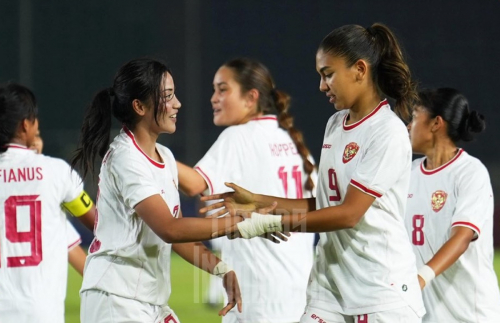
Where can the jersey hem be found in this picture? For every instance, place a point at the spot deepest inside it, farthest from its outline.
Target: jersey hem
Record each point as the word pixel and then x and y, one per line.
pixel 332 307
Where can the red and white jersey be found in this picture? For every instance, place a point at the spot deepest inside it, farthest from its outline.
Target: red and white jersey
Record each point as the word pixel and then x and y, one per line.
pixel 126 258
pixel 261 156
pixel 458 193
pixel 371 267
pixel 34 235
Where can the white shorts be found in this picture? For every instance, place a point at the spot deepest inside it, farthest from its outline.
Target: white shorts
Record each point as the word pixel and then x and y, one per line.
pixel 399 315
pixel 101 307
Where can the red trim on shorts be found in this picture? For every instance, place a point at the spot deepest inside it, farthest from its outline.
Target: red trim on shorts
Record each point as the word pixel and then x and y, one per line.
pixel 354 125
pixel 154 162
pixel 365 189
pixel 207 179
pixel 74 244
pixel 434 171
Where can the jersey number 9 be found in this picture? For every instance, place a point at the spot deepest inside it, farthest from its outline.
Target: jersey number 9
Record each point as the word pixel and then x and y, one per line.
pixel 16 233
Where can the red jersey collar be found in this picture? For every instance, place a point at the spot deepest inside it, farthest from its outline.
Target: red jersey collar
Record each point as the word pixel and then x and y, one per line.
pixel 434 171
pixel 131 135
pixel 354 125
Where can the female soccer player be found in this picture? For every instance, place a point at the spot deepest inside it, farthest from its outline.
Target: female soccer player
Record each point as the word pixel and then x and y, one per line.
pixel 449 214
pixel 258 145
pixel 365 270
pixel 33 227
pixel 127 274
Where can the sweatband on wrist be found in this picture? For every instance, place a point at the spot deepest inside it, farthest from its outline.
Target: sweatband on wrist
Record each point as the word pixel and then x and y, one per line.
pixel 427 274
pixel 221 269
pixel 79 206
pixel 259 224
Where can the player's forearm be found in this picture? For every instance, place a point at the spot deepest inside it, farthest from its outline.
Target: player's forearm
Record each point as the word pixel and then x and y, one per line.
pixel 286 206
pixel 197 254
pixel 198 229
pixel 324 220
pixel 76 258
pixel 449 253
pixel 191 182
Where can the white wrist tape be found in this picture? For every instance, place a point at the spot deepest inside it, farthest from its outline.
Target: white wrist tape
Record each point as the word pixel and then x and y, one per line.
pixel 427 274
pixel 221 269
pixel 259 224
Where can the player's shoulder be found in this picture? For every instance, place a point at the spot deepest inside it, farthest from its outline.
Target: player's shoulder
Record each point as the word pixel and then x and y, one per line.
pixel 234 133
pixel 58 164
pixel 165 152
pixel 415 164
pixel 470 164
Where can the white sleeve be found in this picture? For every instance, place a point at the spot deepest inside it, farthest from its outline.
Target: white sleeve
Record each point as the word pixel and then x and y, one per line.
pixel 384 162
pixel 73 238
pixel 222 162
pixel 73 183
pixel 133 179
pixel 474 200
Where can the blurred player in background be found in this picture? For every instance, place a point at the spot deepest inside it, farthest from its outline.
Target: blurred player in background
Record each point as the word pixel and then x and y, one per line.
pixel 365 271
pixel 265 153
pixel 76 254
pixel 127 273
pixel 449 214
pixel 33 226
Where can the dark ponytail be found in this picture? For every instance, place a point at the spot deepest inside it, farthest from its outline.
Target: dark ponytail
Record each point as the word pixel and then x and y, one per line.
pixel 95 132
pixel 251 74
pixel 453 107
pixel 380 48
pixel 139 79
pixel 17 103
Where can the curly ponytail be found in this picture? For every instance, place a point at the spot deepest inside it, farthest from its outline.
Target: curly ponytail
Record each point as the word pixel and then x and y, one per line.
pixel 285 120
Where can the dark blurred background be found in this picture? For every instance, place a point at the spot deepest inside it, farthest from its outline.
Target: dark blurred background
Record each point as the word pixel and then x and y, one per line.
pixel 66 51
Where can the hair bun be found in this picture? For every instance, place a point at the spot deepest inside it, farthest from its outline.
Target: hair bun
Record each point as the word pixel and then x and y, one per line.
pixel 475 122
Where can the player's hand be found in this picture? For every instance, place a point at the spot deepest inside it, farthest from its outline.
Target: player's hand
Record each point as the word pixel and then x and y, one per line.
pixel 239 202
pixel 230 283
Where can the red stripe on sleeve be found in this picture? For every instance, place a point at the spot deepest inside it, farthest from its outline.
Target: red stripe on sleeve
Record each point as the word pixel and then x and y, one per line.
pixel 74 244
pixel 365 189
pixel 207 179
pixel 466 224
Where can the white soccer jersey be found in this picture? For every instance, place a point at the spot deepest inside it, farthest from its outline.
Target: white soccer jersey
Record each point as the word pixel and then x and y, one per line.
pixel 33 235
pixel 126 258
pixel 262 157
pixel 371 267
pixel 458 193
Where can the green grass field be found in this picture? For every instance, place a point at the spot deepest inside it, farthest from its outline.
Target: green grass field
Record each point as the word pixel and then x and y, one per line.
pixel 188 284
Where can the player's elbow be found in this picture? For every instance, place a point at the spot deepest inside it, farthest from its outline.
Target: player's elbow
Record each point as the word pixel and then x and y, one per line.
pixel 352 219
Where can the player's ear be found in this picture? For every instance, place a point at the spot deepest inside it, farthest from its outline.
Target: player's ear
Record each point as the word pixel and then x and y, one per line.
pixel 139 107
pixel 252 97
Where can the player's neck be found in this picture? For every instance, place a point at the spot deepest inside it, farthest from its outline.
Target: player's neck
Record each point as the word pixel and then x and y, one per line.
pixel 363 107
pixel 439 155
pixel 147 141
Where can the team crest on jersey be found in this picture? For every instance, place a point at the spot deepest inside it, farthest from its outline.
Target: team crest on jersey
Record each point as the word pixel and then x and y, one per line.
pixel 349 152
pixel 438 200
